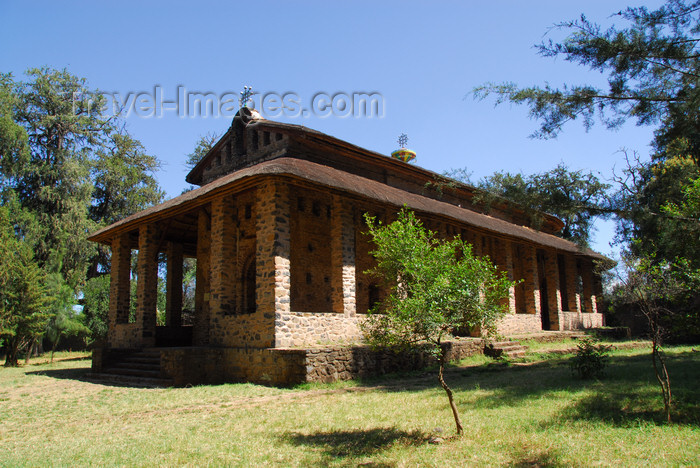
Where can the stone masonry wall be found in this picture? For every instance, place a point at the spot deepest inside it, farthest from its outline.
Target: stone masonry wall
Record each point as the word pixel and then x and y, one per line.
pixel 119 293
pixel 331 364
pixel 309 329
pixel 275 366
pixel 513 324
pixel 577 321
pixel 272 262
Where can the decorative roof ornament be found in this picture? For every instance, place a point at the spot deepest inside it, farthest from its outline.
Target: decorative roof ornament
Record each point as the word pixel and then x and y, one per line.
pixel 246 96
pixel 403 140
pixel 403 154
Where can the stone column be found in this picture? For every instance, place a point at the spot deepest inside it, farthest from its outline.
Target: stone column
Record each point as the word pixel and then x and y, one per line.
pixel 589 295
pixel 173 304
pixel 222 267
pixel 572 294
pixel 507 252
pixel 531 280
pixel 272 289
pixel 503 259
pixel 200 330
pixel 119 287
pixel 551 271
pixel 342 257
pixel 147 284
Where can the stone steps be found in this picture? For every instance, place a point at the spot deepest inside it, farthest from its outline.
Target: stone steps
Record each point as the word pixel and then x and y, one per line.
pixel 139 369
pixel 510 349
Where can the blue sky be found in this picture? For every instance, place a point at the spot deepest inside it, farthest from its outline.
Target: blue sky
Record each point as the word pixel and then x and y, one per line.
pixel 423 58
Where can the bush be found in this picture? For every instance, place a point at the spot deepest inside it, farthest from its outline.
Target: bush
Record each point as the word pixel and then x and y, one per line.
pixel 590 359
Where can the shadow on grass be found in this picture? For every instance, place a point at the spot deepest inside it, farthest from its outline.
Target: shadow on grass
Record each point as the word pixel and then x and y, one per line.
pixel 627 394
pixel 356 444
pixel 70 374
pixel 524 458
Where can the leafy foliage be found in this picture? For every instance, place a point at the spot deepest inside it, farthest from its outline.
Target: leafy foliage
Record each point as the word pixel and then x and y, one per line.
pixel 204 144
pixel 653 66
pixel 435 286
pixel 656 215
pixel 666 294
pixel 64 321
pixel 590 359
pixel 575 197
pixel 23 298
pixel 96 306
pixel 67 168
pixel 653 70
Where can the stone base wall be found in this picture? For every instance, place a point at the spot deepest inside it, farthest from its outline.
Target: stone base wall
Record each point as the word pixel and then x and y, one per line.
pixel 579 321
pixel 293 329
pixel 275 366
pixel 345 363
pixel 192 366
pixel 513 324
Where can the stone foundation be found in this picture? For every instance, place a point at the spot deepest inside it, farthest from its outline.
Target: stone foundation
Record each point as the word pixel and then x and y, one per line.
pixel 283 367
pixel 513 324
pixel 577 321
pixel 313 329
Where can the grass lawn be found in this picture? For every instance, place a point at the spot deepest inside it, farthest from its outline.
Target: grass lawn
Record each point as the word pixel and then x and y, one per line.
pixel 515 414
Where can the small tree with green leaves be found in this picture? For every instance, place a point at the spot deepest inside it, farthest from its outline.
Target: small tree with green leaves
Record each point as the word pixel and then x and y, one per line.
pixel 434 286
pixel 23 299
pixel 658 290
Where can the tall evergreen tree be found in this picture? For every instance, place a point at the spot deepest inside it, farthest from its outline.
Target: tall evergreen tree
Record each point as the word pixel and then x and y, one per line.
pixel 653 71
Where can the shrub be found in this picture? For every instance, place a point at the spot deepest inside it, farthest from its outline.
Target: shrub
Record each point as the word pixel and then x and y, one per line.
pixel 590 359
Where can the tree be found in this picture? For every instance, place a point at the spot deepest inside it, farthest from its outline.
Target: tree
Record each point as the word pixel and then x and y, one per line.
pixel 435 286
pixel 64 320
pixel 124 183
pixel 656 288
pixel 14 150
pixel 96 306
pixel 655 218
pixel 53 183
pixel 23 298
pixel 205 143
pixel 653 70
pixel 575 197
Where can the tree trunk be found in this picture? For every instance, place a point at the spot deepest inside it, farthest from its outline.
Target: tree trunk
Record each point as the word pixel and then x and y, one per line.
pixel 11 356
pixel 30 351
pixel 55 345
pixel 662 377
pixel 447 389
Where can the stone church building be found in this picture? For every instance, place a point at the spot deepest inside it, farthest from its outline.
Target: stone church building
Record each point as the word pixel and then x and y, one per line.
pixel 277 229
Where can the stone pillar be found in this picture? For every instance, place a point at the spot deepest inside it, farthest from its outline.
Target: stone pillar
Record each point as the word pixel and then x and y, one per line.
pixel 551 271
pixel 531 280
pixel 222 267
pixel 147 284
pixel 173 304
pixel 507 254
pixel 342 257
pixel 598 291
pixel 200 330
pixel 502 257
pixel 119 287
pixel 572 294
pixel 590 303
pixel 272 289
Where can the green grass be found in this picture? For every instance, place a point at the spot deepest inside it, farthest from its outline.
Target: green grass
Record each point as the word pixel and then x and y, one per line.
pixel 515 414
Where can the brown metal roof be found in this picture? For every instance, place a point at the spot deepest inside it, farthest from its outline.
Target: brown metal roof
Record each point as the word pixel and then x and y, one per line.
pixel 335 179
